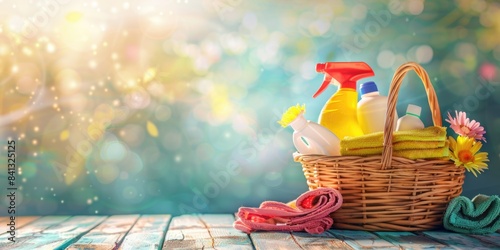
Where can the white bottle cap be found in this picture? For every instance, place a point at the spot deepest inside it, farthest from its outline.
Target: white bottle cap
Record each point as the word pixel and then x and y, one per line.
pixel 413 110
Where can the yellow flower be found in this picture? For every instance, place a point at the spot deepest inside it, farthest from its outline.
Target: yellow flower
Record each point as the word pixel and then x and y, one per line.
pixel 464 152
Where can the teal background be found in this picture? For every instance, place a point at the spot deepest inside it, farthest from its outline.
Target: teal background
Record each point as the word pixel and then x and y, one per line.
pixel 81 81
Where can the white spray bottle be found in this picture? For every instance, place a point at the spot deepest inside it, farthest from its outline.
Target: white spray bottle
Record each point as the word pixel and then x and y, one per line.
pixel 310 137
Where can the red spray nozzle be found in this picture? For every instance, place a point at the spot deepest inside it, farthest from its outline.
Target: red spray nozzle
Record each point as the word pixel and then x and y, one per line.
pixel 345 73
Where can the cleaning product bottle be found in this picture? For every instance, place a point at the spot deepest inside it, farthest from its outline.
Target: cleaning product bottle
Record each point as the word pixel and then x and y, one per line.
pixel 411 120
pixel 339 113
pixel 372 109
pixel 310 137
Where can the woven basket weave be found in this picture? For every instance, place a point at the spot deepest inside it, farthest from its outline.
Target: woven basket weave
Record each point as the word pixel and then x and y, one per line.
pixel 386 193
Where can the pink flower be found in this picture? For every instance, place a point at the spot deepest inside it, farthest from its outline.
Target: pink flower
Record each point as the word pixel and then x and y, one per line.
pixel 463 126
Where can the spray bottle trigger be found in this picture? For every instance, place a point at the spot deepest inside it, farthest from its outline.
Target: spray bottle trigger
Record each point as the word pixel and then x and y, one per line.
pixel 325 83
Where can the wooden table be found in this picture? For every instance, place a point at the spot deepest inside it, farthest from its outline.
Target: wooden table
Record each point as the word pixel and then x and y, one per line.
pixel 210 232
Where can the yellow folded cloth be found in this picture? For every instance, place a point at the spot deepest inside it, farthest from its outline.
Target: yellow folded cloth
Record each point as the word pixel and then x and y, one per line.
pixel 374 140
pixel 423 153
pixel 424 143
pixel 406 153
pixel 417 144
pixel 402 145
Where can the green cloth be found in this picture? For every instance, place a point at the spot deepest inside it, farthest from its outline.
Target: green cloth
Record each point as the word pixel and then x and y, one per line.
pixel 481 215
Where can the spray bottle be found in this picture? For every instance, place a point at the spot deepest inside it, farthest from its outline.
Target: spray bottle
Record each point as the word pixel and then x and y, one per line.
pixel 339 113
pixel 309 137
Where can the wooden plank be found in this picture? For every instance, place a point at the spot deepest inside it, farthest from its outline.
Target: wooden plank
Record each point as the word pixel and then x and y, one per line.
pixel 205 231
pixel 76 225
pixel 61 235
pixel 64 234
pixel 407 240
pixel 458 241
pixel 20 221
pixel 493 238
pixel 273 240
pixel 188 238
pixel 319 241
pixel 206 239
pixel 362 239
pixel 28 233
pixel 25 220
pixel 108 235
pixel 296 240
pixel 147 233
pixel 202 221
pixel 217 220
pixel 186 221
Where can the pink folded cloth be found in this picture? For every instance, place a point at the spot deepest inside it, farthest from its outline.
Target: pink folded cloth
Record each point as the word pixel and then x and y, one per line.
pixel 312 213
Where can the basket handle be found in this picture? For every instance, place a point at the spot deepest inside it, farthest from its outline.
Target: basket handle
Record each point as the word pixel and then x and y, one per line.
pixel 397 79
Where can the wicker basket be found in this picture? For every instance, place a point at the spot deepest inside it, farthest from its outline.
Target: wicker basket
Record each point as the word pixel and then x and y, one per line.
pixel 386 193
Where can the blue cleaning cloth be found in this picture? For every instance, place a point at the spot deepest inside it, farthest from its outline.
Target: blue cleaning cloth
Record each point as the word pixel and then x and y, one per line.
pixel 481 215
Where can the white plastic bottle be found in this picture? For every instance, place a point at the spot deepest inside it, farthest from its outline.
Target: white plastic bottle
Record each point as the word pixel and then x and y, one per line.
pixel 312 138
pixel 372 109
pixel 411 120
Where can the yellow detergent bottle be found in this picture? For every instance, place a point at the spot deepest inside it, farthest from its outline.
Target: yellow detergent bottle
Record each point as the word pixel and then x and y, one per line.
pixel 339 113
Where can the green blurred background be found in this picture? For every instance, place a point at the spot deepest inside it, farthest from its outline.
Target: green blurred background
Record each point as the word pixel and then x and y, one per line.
pixel 171 106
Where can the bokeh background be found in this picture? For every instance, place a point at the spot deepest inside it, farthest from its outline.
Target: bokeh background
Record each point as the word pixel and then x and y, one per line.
pixel 171 106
